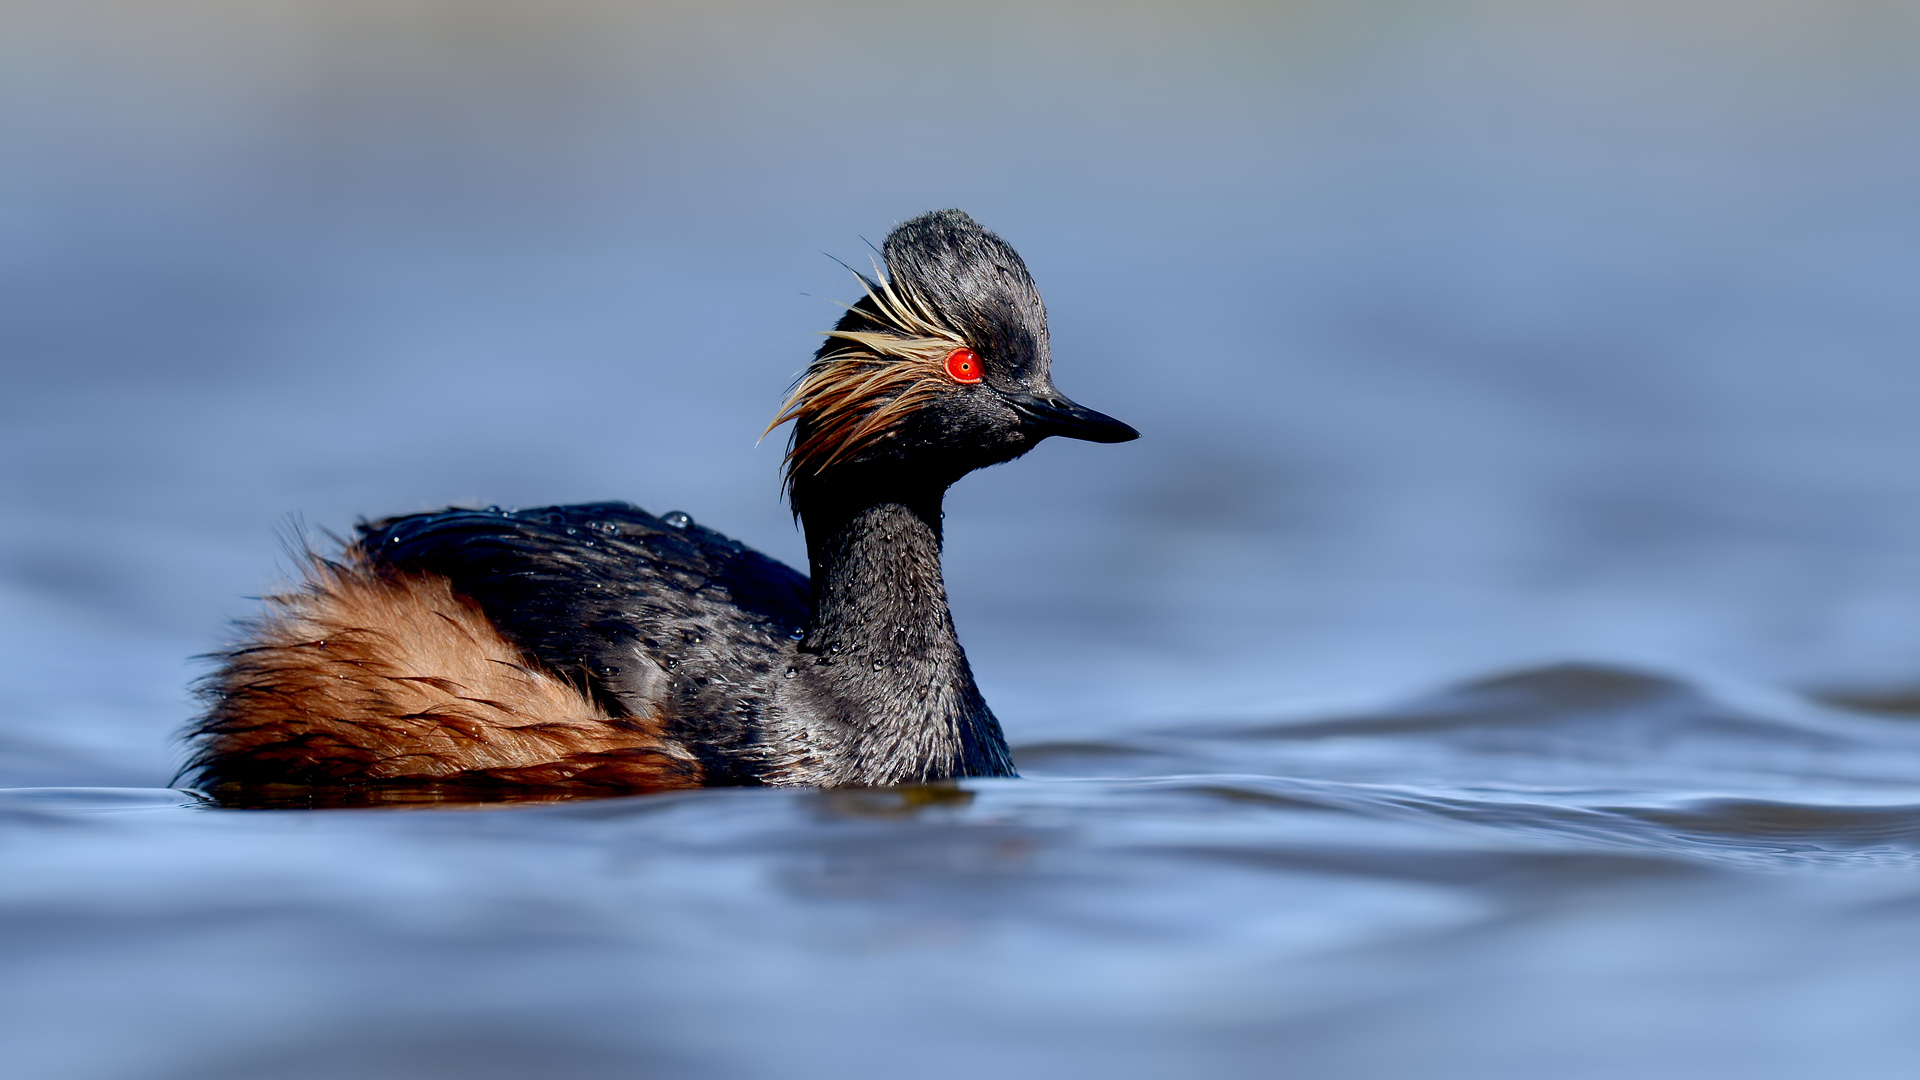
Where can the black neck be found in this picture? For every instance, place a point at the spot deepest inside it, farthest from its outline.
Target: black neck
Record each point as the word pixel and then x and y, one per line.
pixel 896 699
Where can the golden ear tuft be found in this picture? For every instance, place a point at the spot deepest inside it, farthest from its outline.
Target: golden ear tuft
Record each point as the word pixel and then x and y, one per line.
pixel 854 393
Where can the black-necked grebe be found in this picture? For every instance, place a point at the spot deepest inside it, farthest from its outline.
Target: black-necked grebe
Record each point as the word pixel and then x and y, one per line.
pixel 598 645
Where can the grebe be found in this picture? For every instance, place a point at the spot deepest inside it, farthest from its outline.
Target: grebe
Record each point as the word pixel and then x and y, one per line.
pixel 599 646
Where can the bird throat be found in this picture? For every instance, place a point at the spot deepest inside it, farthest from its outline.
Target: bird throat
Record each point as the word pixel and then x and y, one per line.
pixel 892 694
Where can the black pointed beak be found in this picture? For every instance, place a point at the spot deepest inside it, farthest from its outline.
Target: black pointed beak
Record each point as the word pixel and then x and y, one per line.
pixel 1055 415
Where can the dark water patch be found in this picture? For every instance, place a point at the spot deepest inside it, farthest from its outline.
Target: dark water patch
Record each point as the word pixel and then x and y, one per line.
pixel 1897 703
pixel 1095 757
pixel 1589 707
pixel 1789 827
pixel 1252 796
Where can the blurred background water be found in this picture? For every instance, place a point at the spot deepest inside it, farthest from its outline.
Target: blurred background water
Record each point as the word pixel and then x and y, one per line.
pixel 1467 338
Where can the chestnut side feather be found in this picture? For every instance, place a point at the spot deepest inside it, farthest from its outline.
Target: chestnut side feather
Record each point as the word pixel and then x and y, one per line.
pixel 368 675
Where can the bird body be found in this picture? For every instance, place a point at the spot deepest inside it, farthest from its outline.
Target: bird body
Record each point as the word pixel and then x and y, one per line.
pixel 600 646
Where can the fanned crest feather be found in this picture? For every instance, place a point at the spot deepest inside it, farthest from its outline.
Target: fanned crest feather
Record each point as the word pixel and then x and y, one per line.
pixel 863 382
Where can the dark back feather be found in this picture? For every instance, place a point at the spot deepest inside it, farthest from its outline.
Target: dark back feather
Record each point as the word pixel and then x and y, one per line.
pixel 651 619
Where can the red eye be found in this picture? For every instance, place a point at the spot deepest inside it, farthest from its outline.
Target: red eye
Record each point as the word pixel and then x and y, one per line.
pixel 963 365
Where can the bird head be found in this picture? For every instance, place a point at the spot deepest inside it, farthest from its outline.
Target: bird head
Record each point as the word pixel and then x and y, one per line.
pixel 939 369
